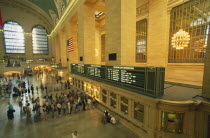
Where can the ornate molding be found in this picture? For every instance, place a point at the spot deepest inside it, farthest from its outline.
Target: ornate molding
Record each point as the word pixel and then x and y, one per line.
pixel 30 8
pixel 174 3
pixel 142 10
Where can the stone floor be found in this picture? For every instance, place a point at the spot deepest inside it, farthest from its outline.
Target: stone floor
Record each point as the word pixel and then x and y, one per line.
pixel 87 123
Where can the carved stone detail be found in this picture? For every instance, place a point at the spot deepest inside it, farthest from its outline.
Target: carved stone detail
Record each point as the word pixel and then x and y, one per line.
pixel 142 10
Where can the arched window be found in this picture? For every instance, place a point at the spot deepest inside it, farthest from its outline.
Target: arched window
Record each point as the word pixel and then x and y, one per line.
pixel 13 38
pixel 189 28
pixel 141 41
pixel 39 40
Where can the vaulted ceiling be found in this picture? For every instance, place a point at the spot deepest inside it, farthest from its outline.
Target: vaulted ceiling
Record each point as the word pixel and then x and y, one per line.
pixel 54 8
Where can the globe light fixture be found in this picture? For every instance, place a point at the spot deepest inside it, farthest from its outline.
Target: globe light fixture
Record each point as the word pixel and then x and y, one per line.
pixel 180 39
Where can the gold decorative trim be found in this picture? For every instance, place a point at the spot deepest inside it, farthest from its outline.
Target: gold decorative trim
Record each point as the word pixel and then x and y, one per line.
pixel 174 3
pixel 31 9
pixel 142 10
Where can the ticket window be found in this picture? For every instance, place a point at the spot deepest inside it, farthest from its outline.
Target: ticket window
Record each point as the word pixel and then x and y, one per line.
pixel 104 96
pixel 172 122
pixel 82 83
pixel 124 105
pixel 79 84
pixel 85 87
pixel 88 89
pixel 92 91
pixel 113 100
pixel 97 93
pixel 75 80
pixel 139 111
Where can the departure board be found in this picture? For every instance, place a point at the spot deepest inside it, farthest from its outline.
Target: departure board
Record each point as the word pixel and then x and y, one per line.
pixel 128 75
pixel 142 77
pixel 80 68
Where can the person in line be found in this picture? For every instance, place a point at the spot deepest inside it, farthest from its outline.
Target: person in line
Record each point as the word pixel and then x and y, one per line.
pixel 94 102
pixel 28 90
pixel 69 107
pixel 75 134
pixel 64 108
pixel 28 111
pixel 59 109
pixel 113 120
pixel 89 103
pixel 21 105
pixel 10 111
pixel 37 89
pixel 32 89
pixel 44 108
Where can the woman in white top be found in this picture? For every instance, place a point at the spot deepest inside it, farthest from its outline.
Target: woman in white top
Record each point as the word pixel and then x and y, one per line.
pixel 89 103
pixel 113 120
pixel 69 107
pixel 74 134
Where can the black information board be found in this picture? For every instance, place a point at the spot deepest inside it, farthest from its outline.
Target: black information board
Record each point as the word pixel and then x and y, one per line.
pixel 128 75
pixel 149 79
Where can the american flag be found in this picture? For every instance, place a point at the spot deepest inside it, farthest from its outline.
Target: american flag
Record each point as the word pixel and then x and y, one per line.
pixel 70 44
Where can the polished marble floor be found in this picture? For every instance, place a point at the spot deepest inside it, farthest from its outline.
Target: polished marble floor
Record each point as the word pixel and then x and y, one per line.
pixel 87 123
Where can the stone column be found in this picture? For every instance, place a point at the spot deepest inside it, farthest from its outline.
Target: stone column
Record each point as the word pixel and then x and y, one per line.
pixel 206 74
pixel 28 46
pixel 86 34
pixel 57 49
pixel 63 47
pixel 120 31
pixel 158 28
pixel 51 44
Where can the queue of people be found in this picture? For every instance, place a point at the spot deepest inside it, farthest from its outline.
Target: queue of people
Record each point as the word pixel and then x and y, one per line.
pixel 52 105
pixel 60 104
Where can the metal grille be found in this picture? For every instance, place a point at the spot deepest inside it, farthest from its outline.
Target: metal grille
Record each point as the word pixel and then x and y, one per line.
pixel 141 41
pixel 14 38
pixel 193 17
pixel 39 40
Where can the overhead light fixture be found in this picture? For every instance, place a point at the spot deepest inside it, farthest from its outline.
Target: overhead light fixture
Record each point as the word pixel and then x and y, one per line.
pixel 180 39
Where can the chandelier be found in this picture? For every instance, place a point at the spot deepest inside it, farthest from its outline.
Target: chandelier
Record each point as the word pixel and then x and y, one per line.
pixel 180 39
pixel 200 46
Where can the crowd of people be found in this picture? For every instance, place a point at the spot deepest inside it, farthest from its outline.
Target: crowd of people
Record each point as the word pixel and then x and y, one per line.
pixel 38 102
pixel 60 104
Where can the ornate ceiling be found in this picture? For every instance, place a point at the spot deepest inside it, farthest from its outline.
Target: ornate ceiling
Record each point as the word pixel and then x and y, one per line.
pixel 54 8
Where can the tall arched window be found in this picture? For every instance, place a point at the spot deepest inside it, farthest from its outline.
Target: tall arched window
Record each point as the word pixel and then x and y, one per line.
pixel 39 40
pixel 189 29
pixel 141 41
pixel 13 38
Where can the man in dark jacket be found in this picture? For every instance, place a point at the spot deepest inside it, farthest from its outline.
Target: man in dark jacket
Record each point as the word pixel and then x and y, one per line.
pixel 32 89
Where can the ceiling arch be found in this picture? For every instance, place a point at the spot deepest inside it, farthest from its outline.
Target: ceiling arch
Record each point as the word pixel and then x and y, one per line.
pixel 53 8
